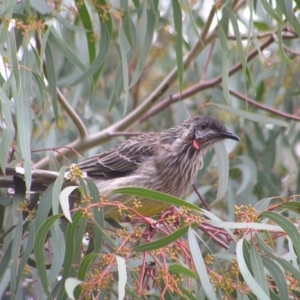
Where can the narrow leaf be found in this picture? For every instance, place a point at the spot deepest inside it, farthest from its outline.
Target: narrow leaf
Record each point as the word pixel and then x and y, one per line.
pixel 154 195
pixel 64 201
pixel 8 133
pixel 70 285
pixel 177 17
pixel 254 286
pixel 287 226
pixel 123 51
pixel 122 276
pixel 104 46
pixel 258 269
pixel 51 77
pixel 39 252
pixel 57 189
pixel 180 269
pixel 165 241
pixel 200 265
pixel 223 170
pixel 278 277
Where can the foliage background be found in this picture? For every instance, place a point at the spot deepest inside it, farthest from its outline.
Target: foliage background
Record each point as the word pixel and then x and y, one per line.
pixel 79 77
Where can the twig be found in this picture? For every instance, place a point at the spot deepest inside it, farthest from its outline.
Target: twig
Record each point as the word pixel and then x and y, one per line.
pixel 286 36
pixel 202 85
pixel 63 102
pixel 220 236
pixel 262 106
pixel 208 60
pixel 72 114
pixel 291 50
pixel 200 197
pixel 126 133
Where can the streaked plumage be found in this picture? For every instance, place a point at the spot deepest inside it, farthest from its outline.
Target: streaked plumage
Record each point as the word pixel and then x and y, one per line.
pixel 167 162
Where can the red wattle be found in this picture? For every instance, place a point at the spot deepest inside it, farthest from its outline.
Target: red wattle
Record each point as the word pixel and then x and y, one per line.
pixel 196 144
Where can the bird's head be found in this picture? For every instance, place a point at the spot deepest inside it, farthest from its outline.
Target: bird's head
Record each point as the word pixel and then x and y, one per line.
pixel 203 132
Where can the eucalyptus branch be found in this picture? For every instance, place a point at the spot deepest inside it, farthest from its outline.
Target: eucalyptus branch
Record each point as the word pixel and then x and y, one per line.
pixel 286 35
pixel 262 106
pixel 63 102
pixel 72 114
pixel 202 85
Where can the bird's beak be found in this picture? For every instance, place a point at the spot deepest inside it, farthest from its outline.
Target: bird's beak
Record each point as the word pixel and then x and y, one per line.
pixel 229 135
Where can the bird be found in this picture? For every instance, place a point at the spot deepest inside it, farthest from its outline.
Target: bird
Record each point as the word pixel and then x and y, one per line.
pixel 166 162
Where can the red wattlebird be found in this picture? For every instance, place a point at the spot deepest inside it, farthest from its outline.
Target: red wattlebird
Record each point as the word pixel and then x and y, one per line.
pixel 166 161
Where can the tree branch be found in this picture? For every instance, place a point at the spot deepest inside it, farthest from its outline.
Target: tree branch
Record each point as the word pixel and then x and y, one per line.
pixel 72 114
pixel 202 85
pixel 62 100
pixel 262 106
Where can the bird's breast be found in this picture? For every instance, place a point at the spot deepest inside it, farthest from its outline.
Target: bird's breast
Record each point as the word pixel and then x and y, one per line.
pixel 176 172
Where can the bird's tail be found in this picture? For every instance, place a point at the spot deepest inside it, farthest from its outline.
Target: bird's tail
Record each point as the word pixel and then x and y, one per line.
pixel 40 179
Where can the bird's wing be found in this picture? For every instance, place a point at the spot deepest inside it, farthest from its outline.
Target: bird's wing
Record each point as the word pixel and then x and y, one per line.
pixel 121 160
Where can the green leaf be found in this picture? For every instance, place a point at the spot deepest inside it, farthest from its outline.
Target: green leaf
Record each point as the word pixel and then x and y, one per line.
pixel 280 44
pixel 249 279
pixel 177 17
pixel 200 265
pixel 14 60
pixel 27 251
pixel 154 195
pixel 148 22
pixel 83 268
pixel 8 132
pixel 44 206
pixel 180 269
pixel 39 252
pixel 84 265
pixel 278 277
pixel 57 189
pixel 123 51
pixel 258 269
pixel 71 247
pixel 41 85
pixel 24 119
pixel 118 85
pixel 51 77
pixel 126 24
pixel 261 26
pixel 70 285
pixel 263 204
pixel 287 226
pixel 237 35
pixel 225 63
pixel 104 46
pixel 63 47
pixel 165 241
pixel 88 26
pixel 270 11
pixel 292 205
pixel 98 215
pixel 58 254
pixel 223 170
pixel 43 46
pixel 16 244
pixel 187 293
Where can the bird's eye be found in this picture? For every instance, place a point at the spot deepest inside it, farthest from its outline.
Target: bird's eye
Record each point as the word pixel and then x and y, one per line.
pixel 203 126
